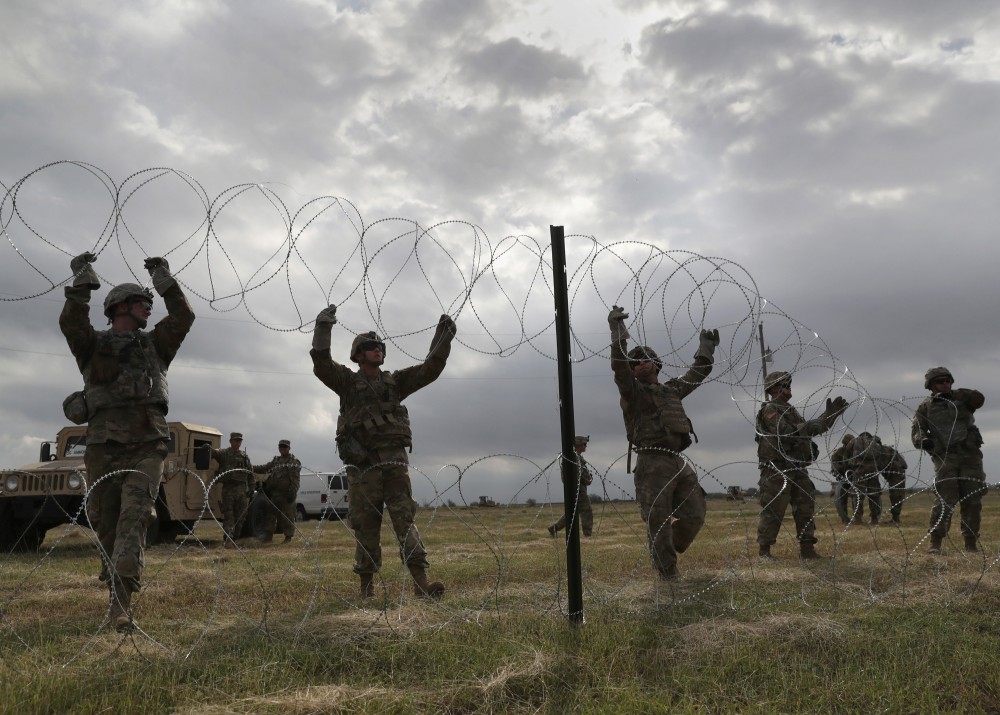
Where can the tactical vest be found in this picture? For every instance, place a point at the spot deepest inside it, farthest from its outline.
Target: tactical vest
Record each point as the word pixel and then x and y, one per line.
pixel 233 459
pixel 124 371
pixel 657 418
pixel 783 447
pixel 371 412
pixel 950 423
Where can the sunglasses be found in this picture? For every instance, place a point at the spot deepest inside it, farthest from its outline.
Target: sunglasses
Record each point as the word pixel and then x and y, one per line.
pixel 372 346
pixel 944 381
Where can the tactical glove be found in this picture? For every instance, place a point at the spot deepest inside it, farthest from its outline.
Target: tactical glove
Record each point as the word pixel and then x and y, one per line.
pixel 927 444
pixel 324 326
pixel 707 343
pixel 616 321
pixel 84 275
pixel 834 409
pixel 445 333
pixel 159 270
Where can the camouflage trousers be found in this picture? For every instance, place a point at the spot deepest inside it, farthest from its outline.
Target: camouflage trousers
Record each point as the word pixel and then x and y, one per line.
pixel 959 481
pixel 279 509
pixel 868 489
pixel 373 486
pixel 581 510
pixel 671 503
pixel 778 489
pixel 126 479
pixel 235 502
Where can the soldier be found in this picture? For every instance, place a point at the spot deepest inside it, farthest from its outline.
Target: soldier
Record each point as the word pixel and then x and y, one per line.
pixel 281 489
pixel 666 486
pixel 373 434
pixel 784 450
pixel 236 474
pixel 943 426
pixel 124 403
pixel 583 509
pixel 842 491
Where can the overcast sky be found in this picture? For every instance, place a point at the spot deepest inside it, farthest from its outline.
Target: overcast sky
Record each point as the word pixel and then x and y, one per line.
pixel 835 159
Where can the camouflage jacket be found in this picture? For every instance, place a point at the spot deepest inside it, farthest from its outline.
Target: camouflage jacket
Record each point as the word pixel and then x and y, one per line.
pixel 653 413
pixel 231 459
pixel 869 457
pixel 281 469
pixel 125 371
pixel 586 476
pixel 783 436
pixel 947 419
pixel 370 407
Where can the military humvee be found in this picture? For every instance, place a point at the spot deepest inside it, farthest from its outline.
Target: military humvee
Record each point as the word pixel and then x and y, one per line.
pixel 40 496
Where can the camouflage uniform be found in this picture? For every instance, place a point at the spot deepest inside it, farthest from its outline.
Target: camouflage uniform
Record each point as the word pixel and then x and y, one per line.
pixel 582 508
pixel 373 434
pixel 666 486
pixel 126 392
pixel 281 489
pixel 784 451
pixel 869 460
pixel 843 489
pixel 236 474
pixel 944 427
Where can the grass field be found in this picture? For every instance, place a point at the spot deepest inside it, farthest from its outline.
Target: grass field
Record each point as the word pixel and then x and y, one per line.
pixel 882 627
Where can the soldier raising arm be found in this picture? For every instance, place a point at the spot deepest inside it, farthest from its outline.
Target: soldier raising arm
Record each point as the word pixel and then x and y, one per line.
pixel 665 484
pixel 125 402
pixel 373 435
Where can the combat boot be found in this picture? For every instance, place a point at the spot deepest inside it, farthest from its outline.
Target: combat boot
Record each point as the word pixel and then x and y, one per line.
pixel 765 551
pixel 935 547
pixel 670 573
pixel 808 551
pixel 970 542
pixel 121 599
pixel 266 538
pixel 367 585
pixel 552 531
pixel 288 537
pixel 422 587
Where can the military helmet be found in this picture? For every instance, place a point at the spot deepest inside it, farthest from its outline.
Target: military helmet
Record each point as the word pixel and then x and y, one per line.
pixel 236 435
pixel 644 352
pixel 847 439
pixel 776 377
pixel 933 374
pixel 284 443
pixel 581 440
pixel 121 293
pixel 369 337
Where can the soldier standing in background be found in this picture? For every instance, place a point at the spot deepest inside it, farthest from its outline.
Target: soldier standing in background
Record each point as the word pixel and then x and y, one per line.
pixel 944 427
pixel 582 507
pixel 666 486
pixel 236 474
pixel 373 434
pixel 124 403
pixel 281 489
pixel 784 451
pixel 840 466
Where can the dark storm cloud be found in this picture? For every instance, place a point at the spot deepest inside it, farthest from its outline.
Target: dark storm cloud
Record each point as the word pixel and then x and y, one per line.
pixel 518 69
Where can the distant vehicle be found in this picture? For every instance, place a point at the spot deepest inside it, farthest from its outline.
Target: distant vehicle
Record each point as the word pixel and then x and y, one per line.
pixel 40 496
pixel 322 495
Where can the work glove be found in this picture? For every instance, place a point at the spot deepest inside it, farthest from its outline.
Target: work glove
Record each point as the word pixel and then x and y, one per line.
pixel 707 342
pixel 927 444
pixel 616 321
pixel 159 270
pixel 834 409
pixel 325 321
pixel 84 275
pixel 445 333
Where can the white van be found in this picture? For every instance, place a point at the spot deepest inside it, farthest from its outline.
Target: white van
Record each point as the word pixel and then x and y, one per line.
pixel 322 495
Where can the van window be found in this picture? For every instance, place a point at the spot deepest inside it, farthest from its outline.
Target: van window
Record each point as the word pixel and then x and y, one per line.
pixel 336 481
